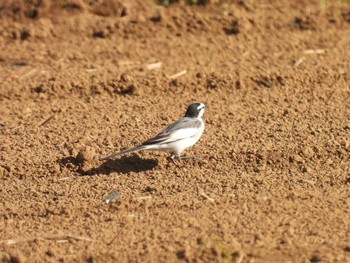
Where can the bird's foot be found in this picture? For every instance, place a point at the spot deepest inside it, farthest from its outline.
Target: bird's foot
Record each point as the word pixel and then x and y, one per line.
pixel 195 158
pixel 173 158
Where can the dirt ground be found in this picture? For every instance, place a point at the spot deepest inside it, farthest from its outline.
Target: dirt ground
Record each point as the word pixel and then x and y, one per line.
pixel 80 79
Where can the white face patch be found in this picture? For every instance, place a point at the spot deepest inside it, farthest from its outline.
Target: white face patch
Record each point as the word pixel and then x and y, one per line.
pixel 201 106
pixel 201 109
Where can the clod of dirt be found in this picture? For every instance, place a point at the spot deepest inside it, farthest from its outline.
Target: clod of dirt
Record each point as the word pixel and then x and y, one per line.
pixel 127 90
pixel 125 77
pixel 315 259
pixel 99 34
pixel 150 189
pixel 347 181
pixel 156 18
pixel 38 89
pixel 86 155
pixel 85 159
pixel 32 13
pixel 182 254
pixel 4 257
pixel 346 16
pixel 18 259
pixel 296 158
pixel 175 82
pixel 71 5
pixel 199 75
pixel 124 85
pixel 238 84
pixel 50 253
pixel 280 80
pixel 308 152
pixel 2 171
pixel 96 89
pixel 305 169
pixel 303 23
pixel 215 81
pixel 24 35
pixel 109 8
pixel 233 29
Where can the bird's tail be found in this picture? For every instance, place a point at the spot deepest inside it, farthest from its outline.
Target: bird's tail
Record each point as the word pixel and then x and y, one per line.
pixel 134 149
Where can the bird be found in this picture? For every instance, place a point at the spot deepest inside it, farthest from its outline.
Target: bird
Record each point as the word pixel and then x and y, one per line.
pixel 175 138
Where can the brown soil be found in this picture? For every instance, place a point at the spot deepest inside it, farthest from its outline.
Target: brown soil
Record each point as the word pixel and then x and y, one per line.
pixel 274 181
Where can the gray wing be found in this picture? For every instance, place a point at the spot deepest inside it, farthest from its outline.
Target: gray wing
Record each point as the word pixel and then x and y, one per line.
pixel 181 128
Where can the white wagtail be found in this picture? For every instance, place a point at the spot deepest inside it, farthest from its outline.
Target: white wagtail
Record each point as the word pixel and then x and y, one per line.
pixel 175 138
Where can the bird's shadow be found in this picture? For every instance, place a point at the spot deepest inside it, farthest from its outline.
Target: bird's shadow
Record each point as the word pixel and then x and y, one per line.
pixel 122 165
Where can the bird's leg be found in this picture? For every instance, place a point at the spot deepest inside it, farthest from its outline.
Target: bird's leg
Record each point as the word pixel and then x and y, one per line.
pixel 174 157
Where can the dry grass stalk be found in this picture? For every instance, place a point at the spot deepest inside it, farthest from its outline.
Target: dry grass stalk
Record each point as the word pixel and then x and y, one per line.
pixel 314 51
pixel 299 61
pixel 46 120
pixel 63 238
pixel 154 66
pixel 179 74
pixel 207 197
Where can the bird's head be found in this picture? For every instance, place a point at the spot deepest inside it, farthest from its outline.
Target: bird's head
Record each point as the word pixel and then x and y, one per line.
pixel 195 110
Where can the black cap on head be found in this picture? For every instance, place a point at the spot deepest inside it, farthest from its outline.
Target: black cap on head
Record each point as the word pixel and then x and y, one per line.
pixel 195 110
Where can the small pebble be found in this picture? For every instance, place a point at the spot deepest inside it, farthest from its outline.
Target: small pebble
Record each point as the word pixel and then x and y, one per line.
pixel 265 83
pixel 113 195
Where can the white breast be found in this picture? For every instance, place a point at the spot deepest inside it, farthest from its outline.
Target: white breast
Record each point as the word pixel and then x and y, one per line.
pixel 184 138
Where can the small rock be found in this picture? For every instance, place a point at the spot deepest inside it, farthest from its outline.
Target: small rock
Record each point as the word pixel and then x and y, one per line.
pixel 265 83
pixel 125 77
